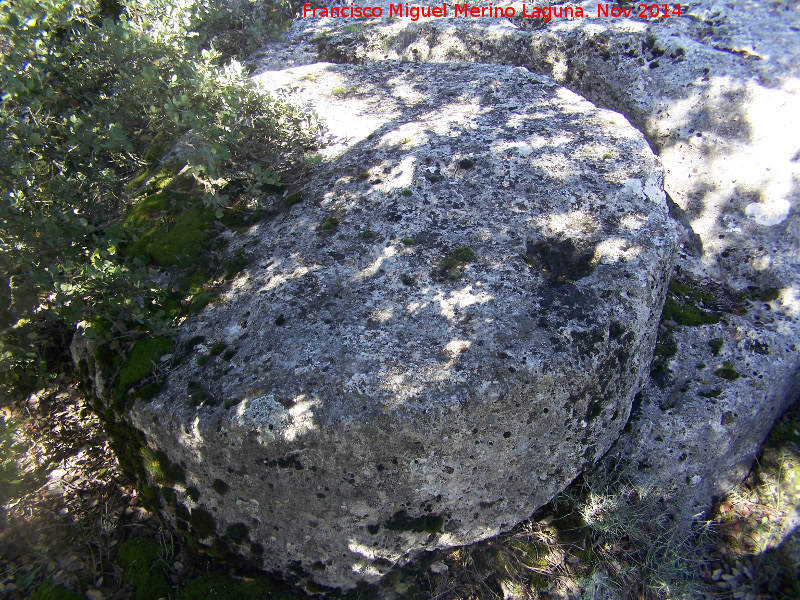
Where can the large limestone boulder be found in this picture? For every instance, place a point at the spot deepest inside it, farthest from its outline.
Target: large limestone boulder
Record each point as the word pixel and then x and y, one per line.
pixel 445 332
pixel 716 92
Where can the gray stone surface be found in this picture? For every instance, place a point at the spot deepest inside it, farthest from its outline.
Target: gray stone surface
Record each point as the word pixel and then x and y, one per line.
pixel 380 401
pixel 374 406
pixel 698 432
pixel 717 94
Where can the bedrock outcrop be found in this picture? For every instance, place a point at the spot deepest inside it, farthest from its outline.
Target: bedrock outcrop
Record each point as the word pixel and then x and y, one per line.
pixel 448 328
pixel 716 92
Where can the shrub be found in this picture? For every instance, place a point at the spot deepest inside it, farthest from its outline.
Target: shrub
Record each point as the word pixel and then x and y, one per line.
pixel 93 94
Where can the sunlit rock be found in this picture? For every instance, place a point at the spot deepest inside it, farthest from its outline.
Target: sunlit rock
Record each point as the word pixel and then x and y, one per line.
pixel 445 332
pixel 716 91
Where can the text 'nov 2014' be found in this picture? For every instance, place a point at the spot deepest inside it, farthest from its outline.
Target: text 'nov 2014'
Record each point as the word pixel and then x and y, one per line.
pixel 546 13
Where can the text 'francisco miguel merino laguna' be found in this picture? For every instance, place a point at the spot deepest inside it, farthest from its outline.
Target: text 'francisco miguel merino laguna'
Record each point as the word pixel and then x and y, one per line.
pixel 463 10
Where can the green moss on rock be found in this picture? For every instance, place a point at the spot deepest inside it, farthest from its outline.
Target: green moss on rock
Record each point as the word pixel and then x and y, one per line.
pixel 329 224
pixel 682 304
pixel 144 569
pixel 666 346
pixel 292 199
pixel 161 469
pixel 138 180
pixel 728 371
pixel 136 460
pixel 231 402
pixel 784 431
pixel 200 301
pixel 434 524
pixel 236 264
pixel 200 397
pixel 687 314
pixel 452 266
pixel 768 295
pixel 463 254
pixel 183 244
pixel 144 550
pixel 195 280
pixel 143 357
pixel 126 442
pixel 217 348
pixel 448 263
pixel 147 209
pixel 175 240
pixel 679 288
pixel 238 218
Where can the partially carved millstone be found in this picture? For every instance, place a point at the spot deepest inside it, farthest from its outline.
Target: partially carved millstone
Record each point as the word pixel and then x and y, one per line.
pixel 438 339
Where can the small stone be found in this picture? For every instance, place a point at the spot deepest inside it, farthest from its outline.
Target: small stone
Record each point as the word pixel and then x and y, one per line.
pixel 95 595
pixel 695 480
pixel 439 568
pixel 70 564
pixel 177 565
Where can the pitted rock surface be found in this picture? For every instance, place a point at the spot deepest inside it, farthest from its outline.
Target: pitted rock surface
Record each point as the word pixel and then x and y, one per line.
pixel 391 391
pixel 716 92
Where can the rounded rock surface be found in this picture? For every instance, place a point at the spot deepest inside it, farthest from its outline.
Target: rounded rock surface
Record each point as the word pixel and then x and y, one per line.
pixel 439 338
